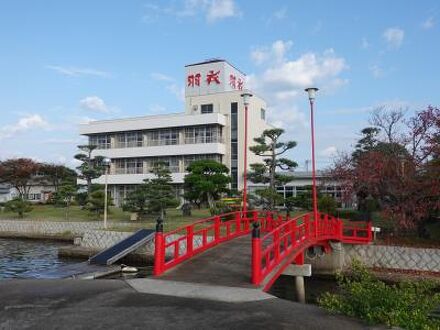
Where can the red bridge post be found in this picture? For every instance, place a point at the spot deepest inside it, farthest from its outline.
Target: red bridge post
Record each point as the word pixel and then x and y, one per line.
pixel 299 259
pixel 238 216
pixel 217 229
pixel 159 249
pixel 256 253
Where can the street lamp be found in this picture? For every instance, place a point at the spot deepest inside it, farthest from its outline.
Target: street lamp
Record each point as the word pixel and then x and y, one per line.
pixel 106 163
pixel 246 99
pixel 312 95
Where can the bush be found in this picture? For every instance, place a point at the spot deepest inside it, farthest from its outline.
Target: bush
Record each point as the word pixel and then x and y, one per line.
pixel 95 203
pixel 18 205
pixel 220 207
pixel 353 215
pixel 405 305
pixel 327 204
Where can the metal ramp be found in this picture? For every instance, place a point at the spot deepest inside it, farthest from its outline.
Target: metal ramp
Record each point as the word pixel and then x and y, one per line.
pixel 122 248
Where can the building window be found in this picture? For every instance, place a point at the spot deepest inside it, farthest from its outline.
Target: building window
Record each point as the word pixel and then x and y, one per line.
pixel 202 134
pixel 234 145
pixel 130 140
pixel 33 197
pixel 129 166
pixel 263 114
pixel 207 108
pixel 102 141
pixel 163 137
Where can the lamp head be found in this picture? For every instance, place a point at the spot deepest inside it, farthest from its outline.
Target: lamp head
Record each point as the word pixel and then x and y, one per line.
pixel 106 162
pixel 312 92
pixel 246 97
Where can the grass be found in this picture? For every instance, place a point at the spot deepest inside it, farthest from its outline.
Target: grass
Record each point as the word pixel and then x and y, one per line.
pixel 118 219
pixel 51 213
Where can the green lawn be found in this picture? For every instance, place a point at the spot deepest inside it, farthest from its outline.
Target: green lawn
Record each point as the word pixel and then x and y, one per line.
pixel 118 219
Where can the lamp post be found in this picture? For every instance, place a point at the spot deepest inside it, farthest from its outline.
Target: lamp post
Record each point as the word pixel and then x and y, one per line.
pixel 246 98
pixel 106 163
pixel 312 95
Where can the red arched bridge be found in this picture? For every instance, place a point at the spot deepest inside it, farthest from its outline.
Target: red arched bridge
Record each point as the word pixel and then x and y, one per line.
pixel 220 250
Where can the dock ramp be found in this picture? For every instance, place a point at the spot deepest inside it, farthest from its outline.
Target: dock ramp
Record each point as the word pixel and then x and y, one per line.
pixel 122 248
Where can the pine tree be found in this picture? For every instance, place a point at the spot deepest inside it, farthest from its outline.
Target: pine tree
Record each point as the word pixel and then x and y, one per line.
pixel 91 167
pixel 270 148
pixel 159 190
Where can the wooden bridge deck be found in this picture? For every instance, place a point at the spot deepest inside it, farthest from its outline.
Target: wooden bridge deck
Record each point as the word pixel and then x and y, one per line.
pixel 227 264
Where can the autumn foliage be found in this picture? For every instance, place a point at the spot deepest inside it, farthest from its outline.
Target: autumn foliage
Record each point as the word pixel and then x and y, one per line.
pixel 401 172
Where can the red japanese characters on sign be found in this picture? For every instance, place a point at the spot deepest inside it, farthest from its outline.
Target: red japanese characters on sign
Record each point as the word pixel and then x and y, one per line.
pixel 232 81
pixel 194 80
pixel 240 84
pixel 235 83
pixel 213 77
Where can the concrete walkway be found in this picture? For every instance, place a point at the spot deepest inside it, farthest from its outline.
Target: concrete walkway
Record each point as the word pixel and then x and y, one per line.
pixel 198 291
pixel 227 264
pixel 113 304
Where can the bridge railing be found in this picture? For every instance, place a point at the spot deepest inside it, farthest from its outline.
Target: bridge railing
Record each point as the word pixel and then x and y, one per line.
pixel 269 251
pixel 182 243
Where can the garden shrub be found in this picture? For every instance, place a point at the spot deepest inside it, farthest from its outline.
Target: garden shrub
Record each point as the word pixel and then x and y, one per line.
pixel 406 305
pixel 18 205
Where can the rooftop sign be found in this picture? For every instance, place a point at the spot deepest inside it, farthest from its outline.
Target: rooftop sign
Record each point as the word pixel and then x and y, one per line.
pixel 212 77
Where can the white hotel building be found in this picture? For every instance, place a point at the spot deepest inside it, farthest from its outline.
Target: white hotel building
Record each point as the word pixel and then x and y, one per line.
pixel 211 127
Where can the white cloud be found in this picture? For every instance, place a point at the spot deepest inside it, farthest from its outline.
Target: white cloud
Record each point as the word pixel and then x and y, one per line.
pixel 376 71
pixel 284 78
pixel 84 120
pixel 428 24
pixel 24 124
pixel 212 10
pixel 281 80
pixel 329 151
pixel 177 90
pixel 78 72
pixel 394 37
pixel 275 53
pixel 94 103
pixel 161 77
pixel 219 9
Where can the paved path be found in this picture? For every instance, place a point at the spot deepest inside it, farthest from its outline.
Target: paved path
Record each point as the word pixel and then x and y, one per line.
pixel 227 264
pixel 112 304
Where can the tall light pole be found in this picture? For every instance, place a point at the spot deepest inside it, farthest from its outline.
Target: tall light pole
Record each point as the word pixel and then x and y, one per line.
pixel 246 98
pixel 312 95
pixel 106 163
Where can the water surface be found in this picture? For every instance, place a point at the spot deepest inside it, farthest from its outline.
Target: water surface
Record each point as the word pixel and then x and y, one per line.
pixel 21 258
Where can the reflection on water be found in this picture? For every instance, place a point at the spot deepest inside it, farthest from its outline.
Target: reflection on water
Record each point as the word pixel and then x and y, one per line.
pixel 27 258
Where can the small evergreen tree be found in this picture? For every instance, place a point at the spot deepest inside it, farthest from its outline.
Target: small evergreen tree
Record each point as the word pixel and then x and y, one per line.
pixel 18 205
pixel 159 190
pixel 95 203
pixel 91 167
pixel 206 181
pixel 137 201
pixel 271 149
pixel 64 197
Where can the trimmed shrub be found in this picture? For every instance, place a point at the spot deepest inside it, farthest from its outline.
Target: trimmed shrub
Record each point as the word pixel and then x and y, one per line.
pixel 406 305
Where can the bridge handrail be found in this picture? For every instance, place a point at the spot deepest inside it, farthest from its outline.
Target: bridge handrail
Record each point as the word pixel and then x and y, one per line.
pixel 174 247
pixel 292 237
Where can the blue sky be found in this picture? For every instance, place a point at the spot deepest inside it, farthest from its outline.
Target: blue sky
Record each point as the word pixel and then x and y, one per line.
pixel 62 63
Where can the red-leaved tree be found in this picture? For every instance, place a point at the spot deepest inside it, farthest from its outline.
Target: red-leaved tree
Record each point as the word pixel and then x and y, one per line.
pixel 404 178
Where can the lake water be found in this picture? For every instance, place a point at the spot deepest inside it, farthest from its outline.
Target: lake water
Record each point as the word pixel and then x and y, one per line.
pixel 28 258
